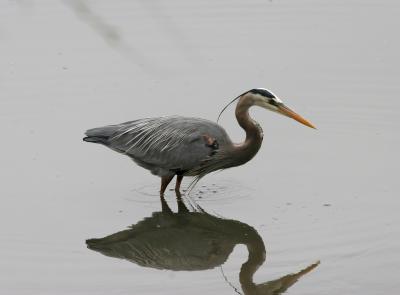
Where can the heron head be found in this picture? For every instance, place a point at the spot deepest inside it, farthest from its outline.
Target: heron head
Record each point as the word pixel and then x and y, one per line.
pixel 267 100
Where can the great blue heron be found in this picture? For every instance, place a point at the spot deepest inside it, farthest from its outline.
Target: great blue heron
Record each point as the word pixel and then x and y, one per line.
pixel 193 241
pixel 169 146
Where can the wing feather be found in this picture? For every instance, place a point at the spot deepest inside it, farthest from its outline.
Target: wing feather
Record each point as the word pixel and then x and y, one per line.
pixel 167 143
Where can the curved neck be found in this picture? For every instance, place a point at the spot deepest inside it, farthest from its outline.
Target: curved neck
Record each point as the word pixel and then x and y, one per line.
pixel 254 135
pixel 256 248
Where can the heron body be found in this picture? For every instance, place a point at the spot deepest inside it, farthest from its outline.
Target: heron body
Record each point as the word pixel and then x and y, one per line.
pixel 182 146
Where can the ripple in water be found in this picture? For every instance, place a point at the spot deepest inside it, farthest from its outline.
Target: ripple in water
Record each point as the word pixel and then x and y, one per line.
pixel 223 192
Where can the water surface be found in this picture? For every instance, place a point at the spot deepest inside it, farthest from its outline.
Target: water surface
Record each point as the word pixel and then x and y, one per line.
pixel 329 195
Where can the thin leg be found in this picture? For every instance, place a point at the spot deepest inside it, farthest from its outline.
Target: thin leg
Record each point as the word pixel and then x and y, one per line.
pixel 165 180
pixel 178 183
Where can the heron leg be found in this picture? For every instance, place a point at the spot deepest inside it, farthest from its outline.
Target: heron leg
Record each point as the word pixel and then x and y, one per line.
pixel 165 180
pixel 178 182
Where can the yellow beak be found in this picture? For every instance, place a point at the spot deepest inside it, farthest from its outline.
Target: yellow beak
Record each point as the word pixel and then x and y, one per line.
pixel 284 110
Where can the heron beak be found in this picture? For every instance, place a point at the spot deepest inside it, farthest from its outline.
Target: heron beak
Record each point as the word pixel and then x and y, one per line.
pixel 284 110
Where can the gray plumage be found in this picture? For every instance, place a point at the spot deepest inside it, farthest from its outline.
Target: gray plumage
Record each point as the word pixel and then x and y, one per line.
pixel 170 146
pixel 167 145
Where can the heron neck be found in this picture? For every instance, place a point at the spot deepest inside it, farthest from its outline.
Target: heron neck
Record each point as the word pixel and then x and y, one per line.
pixel 256 248
pixel 254 135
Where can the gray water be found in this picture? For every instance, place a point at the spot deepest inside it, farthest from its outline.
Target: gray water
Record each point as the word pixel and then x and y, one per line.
pixel 328 195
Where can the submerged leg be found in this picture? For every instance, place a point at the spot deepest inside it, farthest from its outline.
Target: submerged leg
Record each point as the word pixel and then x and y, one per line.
pixel 165 180
pixel 164 205
pixel 181 205
pixel 178 182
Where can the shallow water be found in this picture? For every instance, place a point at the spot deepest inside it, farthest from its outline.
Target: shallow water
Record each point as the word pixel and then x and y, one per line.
pixel 328 195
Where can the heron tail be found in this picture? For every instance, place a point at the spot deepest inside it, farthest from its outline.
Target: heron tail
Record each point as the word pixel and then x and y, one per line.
pixel 99 134
pixel 96 139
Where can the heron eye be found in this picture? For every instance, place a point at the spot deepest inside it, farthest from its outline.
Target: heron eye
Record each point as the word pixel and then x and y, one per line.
pixel 273 102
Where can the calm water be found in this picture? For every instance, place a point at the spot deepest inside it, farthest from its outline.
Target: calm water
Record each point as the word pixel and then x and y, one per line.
pixel 329 195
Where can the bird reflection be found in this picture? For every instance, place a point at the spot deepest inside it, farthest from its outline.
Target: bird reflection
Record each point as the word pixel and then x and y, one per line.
pixel 193 240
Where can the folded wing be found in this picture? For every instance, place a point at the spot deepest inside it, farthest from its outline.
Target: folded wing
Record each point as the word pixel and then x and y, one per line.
pixel 164 145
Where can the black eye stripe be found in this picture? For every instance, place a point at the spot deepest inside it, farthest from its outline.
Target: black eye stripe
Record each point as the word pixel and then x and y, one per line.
pixel 262 92
pixel 273 102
